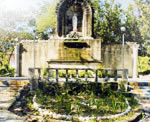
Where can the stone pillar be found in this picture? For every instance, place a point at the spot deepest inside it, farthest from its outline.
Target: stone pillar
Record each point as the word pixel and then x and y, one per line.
pixel 134 47
pixel 17 61
pixel 135 60
pixel 63 26
pixel 87 21
pixel 57 27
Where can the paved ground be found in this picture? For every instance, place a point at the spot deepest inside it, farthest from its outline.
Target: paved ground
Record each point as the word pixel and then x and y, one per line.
pixel 143 94
pixel 7 97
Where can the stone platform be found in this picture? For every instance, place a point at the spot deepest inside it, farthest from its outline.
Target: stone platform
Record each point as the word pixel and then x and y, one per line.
pixel 141 89
pixel 59 52
pixel 9 91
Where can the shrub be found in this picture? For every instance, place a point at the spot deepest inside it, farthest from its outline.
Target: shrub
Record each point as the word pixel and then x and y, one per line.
pixel 6 71
pixel 72 73
pixel 81 99
pixel 144 65
pixel 100 73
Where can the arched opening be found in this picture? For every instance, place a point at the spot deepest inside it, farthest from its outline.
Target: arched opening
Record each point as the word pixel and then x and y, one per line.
pixel 65 12
pixel 68 18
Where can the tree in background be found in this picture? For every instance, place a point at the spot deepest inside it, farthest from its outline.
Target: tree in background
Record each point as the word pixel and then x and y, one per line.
pixel 107 21
pixel 132 28
pixel 144 23
pixel 7 42
pixel 47 17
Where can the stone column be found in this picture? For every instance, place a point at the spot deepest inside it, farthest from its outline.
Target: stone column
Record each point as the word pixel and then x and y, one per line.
pixel 135 59
pixel 63 26
pixel 57 27
pixel 17 60
pixel 134 47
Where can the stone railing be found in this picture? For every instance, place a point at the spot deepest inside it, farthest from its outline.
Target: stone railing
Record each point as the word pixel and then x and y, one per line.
pixel 53 75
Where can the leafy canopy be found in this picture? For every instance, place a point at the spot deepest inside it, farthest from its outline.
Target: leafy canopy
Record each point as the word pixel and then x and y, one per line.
pixel 47 17
pixel 107 21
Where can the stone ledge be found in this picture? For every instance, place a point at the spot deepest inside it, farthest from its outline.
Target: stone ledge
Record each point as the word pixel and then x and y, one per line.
pixel 13 78
pixel 19 83
pixel 77 61
pixel 14 83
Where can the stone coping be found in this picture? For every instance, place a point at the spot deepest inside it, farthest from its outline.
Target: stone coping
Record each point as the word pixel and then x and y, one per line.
pixel 56 39
pixel 14 78
pixel 75 61
pixel 13 82
pixel 139 83
pixel 139 80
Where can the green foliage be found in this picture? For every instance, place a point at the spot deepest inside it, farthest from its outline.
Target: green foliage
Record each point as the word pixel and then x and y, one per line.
pixel 81 99
pixel 10 36
pixel 107 19
pixel 107 22
pixel 47 17
pixel 133 102
pixel 100 72
pixel 44 72
pixel 71 73
pixel 42 36
pixel 29 101
pixel 122 87
pixel 89 74
pixel 146 47
pixel 144 65
pixel 143 7
pixel 7 42
pixel 5 69
pixel 132 28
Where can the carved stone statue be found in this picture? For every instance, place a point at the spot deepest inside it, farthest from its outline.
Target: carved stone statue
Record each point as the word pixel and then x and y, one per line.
pixel 74 22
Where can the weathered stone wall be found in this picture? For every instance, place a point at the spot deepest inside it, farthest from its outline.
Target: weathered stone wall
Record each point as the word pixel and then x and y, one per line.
pixel 112 57
pixel 52 53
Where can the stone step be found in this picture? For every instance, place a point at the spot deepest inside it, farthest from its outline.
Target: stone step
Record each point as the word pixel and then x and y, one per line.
pixel 7 97
pixel 14 83
pixel 8 93
pixel 5 104
pixel 136 83
pixel 6 116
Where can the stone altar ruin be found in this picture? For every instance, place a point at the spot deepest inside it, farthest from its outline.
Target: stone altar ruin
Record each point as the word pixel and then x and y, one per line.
pixel 74 45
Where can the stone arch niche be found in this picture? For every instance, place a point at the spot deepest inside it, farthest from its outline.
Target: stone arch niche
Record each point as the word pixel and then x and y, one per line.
pixel 65 10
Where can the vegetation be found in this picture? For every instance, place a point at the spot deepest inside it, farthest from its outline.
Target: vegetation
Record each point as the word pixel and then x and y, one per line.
pixel 108 19
pixel 47 17
pixel 7 43
pixel 92 99
pixel 144 65
pixel 5 69
pixel 73 73
pixel 143 7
